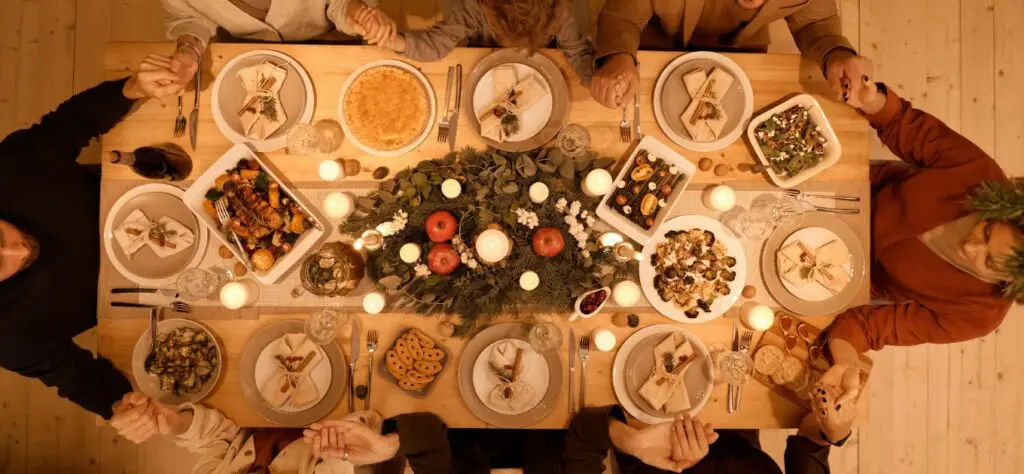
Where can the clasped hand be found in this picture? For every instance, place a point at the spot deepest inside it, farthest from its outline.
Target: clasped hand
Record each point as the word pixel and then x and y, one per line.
pixel 672 446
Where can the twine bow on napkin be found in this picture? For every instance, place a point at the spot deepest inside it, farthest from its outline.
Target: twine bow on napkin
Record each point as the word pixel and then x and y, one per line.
pixel 261 113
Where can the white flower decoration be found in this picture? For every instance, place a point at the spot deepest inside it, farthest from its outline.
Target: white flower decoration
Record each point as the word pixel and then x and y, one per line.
pixel 585 254
pixel 472 263
pixel 422 270
pixel 652 186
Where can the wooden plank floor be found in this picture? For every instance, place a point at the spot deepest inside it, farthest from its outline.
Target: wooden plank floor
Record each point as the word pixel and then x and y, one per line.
pixel 935 409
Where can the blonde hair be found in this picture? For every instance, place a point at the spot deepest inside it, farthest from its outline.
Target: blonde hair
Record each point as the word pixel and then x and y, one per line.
pixel 528 24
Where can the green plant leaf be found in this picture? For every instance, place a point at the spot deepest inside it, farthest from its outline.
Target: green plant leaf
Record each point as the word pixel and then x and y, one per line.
pixel 545 167
pixel 582 162
pixel 410 191
pixel 510 188
pixel 386 197
pixel 556 157
pixel 419 179
pixel 567 170
pixel 604 163
pixel 390 282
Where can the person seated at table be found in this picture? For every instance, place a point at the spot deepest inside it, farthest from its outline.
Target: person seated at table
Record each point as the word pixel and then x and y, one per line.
pixel 947 236
pixel 50 240
pixel 716 24
pixel 192 24
pixel 687 445
pixel 348 445
pixel 525 24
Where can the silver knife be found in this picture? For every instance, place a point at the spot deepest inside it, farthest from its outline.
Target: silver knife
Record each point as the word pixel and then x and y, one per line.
pixel 572 371
pixel 454 120
pixel 193 117
pixel 168 292
pixel 730 402
pixel 352 368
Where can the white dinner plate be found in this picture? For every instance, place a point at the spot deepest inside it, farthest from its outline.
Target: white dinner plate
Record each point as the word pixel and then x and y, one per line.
pixel 535 374
pixel 813 237
pixel 144 267
pixel 734 249
pixel 266 368
pixel 298 98
pixel 531 122
pixel 620 371
pixel 671 99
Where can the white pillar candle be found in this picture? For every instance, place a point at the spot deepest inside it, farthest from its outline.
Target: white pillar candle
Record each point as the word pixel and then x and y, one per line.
pixel 338 205
pixel 373 303
pixel 609 239
pixel 409 253
pixel 451 188
pixel 529 280
pixel 597 183
pixel 238 294
pixel 331 170
pixel 492 245
pixel 626 293
pixel 604 340
pixel 539 192
pixel 719 198
pixel 759 317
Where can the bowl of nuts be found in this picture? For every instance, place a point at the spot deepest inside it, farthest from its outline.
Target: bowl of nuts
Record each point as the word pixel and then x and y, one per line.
pixel 646 189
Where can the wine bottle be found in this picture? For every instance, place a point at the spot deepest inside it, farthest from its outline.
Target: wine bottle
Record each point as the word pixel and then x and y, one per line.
pixel 164 163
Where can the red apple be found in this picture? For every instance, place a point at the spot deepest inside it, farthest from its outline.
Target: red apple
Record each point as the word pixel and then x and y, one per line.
pixel 441 226
pixel 442 259
pixel 547 242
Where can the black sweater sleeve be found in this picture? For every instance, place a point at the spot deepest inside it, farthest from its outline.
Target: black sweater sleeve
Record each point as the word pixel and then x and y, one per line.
pixel 63 133
pixel 803 456
pixel 588 442
pixel 92 383
pixel 423 441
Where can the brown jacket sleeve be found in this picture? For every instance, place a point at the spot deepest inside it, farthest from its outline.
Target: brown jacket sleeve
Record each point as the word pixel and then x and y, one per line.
pixel 818 30
pixel 619 26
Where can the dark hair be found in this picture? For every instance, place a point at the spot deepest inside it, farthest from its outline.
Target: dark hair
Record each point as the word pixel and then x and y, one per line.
pixel 526 24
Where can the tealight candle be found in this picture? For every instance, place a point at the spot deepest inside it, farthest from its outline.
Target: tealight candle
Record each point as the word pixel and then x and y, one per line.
pixel 609 239
pixel 370 240
pixel 529 280
pixel 626 293
pixel 373 303
pixel 539 192
pixel 492 245
pixel 409 252
pixel 597 183
pixel 338 204
pixel 604 340
pixel 451 188
pixel 759 317
pixel 720 198
pixel 237 294
pixel 331 170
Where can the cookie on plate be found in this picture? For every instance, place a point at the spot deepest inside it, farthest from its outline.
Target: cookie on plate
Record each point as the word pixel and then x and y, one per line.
pixel 402 349
pixel 425 341
pixel 418 377
pixel 789 371
pixel 411 385
pixel 436 355
pixel 427 367
pixel 394 364
pixel 768 359
pixel 413 343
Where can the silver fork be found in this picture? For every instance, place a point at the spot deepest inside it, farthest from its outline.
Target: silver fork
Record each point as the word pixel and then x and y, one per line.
pixel 176 306
pixel 800 194
pixel 224 217
pixel 371 347
pixel 584 356
pixel 624 133
pixel 744 348
pixel 179 122
pixel 442 128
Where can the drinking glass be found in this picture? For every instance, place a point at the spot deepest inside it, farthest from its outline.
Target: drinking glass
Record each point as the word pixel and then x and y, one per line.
pixel 545 337
pixel 331 135
pixel 322 325
pixel 303 139
pixel 757 221
pixel 716 350
pixel 735 367
pixel 196 283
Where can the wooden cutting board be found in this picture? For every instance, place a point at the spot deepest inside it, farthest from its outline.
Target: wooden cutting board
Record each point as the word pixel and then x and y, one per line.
pixel 776 336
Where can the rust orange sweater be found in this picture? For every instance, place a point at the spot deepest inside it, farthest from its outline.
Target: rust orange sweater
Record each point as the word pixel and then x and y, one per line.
pixel 933 302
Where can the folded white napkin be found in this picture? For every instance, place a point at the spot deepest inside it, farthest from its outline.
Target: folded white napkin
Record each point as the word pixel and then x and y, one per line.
pixel 177 238
pixel 133 232
pixel 268 114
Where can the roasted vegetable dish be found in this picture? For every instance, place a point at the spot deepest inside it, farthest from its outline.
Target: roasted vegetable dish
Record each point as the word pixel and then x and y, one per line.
pixel 693 269
pixel 184 360
pixel 266 220
pixel 791 141
pixel 646 188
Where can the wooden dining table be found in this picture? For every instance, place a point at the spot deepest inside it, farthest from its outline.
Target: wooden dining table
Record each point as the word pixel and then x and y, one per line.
pixel 773 77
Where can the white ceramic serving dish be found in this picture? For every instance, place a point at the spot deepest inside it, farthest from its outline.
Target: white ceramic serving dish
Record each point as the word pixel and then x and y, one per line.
pixel 428 89
pixel 578 313
pixel 196 194
pixel 150 384
pixel 224 113
pixel 620 222
pixel 833 150
pixel 670 100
